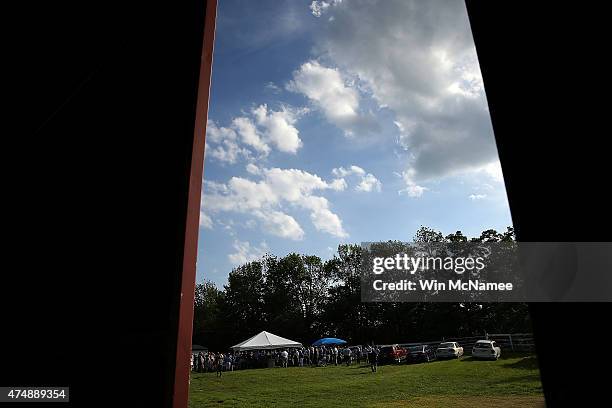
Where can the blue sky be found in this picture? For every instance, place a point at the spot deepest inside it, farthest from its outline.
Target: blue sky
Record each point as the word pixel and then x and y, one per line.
pixel 343 121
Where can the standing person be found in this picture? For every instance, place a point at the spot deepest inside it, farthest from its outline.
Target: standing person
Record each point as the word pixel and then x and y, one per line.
pixel 284 358
pixel 211 362
pixel 237 362
pixel 219 363
pixel 227 361
pixel 335 353
pixel 201 362
pixel 301 357
pixel 347 356
pixel 373 359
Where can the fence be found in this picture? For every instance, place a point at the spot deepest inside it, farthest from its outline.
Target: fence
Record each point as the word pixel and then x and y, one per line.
pixel 507 341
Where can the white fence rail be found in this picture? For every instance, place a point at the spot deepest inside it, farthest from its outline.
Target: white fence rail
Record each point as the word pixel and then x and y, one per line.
pixel 507 341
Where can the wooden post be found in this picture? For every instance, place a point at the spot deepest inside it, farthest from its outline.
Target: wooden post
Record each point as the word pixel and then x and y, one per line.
pixel 182 371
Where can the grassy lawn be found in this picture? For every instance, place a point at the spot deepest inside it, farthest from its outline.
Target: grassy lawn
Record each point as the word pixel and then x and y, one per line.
pixel 512 381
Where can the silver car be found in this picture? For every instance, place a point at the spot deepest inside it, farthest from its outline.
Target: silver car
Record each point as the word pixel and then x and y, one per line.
pixel 486 349
pixel 449 349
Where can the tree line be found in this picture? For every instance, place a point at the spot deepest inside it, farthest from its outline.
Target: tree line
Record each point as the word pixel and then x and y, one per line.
pixel 304 298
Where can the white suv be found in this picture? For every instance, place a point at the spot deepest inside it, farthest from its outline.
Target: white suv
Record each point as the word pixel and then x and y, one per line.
pixel 449 349
pixel 486 349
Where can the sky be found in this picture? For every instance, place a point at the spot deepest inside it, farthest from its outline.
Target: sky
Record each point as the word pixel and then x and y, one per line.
pixel 343 121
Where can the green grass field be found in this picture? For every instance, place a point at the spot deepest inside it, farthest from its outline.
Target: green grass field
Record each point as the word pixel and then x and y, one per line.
pixel 512 381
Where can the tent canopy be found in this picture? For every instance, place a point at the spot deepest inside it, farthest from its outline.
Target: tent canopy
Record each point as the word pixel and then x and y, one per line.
pixel 328 340
pixel 265 341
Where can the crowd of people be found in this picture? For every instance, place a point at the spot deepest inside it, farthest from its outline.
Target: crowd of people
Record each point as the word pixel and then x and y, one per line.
pixel 320 356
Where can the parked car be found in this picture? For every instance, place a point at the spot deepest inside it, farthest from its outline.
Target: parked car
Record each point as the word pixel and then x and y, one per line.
pixel 486 349
pixel 392 354
pixel 449 349
pixel 419 354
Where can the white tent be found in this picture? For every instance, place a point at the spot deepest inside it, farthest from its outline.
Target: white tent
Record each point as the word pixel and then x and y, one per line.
pixel 265 340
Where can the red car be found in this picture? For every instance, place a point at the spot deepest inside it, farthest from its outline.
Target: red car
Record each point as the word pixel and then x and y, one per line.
pixel 392 354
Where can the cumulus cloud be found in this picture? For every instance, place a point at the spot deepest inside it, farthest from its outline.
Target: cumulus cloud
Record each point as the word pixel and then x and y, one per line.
pixel 332 94
pixel 338 184
pixel 416 58
pixel 279 128
pixel 222 144
pixel 280 224
pixel 205 221
pixel 245 252
pixel 367 181
pixel 494 171
pixel 250 135
pixel 319 7
pixel 412 189
pixel 252 168
pixel 267 198
pixel 342 172
pixel 255 134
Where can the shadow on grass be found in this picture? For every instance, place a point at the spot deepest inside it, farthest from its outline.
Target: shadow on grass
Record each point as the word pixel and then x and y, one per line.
pixel 525 363
pixel 470 359
pixel 526 379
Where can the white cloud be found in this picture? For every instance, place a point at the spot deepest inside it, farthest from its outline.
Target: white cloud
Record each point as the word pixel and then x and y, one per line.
pixel 328 90
pixel 342 172
pixel 218 134
pixel 494 171
pixel 273 87
pixel 322 217
pixel 205 221
pixel 227 152
pixel 252 169
pixel 475 197
pixel 280 224
pixel 250 135
pixel 338 184
pixel 367 181
pixel 278 128
pixel 255 135
pixel 417 58
pixel 245 252
pixel 267 198
pixel 222 144
pixel 412 188
pixel 319 7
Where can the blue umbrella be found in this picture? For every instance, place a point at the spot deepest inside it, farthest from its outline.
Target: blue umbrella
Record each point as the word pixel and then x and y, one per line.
pixel 328 340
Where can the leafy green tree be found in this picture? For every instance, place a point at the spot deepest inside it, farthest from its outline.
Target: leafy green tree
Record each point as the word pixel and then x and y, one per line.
pixel 303 297
pixel 243 307
pixel 206 313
